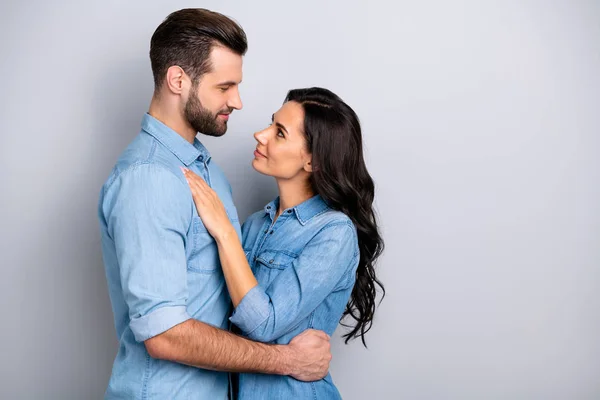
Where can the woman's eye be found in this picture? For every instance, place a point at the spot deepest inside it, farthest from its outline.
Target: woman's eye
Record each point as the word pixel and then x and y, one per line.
pixel 280 133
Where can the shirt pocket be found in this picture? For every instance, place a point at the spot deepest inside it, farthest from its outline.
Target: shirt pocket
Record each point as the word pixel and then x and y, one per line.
pixel 269 263
pixel 204 255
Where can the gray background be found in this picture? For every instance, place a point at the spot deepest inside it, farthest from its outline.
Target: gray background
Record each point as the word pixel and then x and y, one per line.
pixel 481 125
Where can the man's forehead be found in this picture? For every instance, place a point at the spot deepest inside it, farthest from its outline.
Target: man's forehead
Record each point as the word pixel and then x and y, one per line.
pixel 226 65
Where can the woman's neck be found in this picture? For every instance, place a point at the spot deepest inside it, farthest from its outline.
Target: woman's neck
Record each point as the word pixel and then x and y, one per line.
pixel 292 193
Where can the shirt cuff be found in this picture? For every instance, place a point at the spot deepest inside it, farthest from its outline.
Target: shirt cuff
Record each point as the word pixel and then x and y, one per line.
pixel 157 322
pixel 252 311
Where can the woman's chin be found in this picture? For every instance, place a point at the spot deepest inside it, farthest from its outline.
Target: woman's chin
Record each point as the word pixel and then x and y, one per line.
pixel 257 167
pixel 261 169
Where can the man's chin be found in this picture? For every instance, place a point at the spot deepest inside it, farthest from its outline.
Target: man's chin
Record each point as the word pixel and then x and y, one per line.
pixel 222 129
pixel 215 133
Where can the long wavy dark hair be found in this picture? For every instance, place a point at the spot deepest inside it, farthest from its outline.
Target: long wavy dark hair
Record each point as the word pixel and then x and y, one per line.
pixel 340 176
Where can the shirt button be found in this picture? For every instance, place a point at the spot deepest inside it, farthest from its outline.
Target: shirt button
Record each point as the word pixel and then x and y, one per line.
pixel 268 207
pixel 266 231
pixel 271 261
pixel 201 158
pixel 289 211
pixel 270 233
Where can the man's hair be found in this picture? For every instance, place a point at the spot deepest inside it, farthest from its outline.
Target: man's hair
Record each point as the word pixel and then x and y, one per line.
pixel 186 37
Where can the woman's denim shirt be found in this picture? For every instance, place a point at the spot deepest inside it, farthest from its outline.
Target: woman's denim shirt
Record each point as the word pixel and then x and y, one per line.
pixel 305 264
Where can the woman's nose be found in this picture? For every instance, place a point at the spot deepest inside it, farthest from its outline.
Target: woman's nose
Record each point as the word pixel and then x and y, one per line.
pixel 261 137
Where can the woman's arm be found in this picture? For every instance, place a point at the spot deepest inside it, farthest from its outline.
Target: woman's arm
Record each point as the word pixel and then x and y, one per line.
pixel 326 262
pixel 238 275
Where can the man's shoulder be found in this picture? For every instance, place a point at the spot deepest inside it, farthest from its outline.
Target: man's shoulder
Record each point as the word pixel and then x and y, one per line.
pixel 143 158
pixel 147 186
pixel 148 175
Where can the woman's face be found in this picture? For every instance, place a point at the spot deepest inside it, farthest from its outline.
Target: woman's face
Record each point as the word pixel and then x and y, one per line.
pixel 281 150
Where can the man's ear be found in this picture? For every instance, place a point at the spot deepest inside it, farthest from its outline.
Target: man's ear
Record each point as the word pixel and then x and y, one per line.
pixel 176 79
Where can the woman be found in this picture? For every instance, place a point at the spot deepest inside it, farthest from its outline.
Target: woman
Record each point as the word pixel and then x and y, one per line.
pixel 306 260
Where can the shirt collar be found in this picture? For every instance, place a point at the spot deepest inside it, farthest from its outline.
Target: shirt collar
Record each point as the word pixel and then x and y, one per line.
pixel 304 211
pixel 181 148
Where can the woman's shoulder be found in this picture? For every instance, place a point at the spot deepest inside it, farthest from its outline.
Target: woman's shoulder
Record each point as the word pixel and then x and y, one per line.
pixel 337 229
pixel 333 222
pixel 333 217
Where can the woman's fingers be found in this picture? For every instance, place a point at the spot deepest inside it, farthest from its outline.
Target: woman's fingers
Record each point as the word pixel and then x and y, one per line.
pixel 201 192
pixel 195 180
pixel 195 188
pixel 194 177
pixel 209 206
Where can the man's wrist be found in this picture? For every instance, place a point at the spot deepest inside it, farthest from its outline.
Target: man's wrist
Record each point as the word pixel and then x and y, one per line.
pixel 284 356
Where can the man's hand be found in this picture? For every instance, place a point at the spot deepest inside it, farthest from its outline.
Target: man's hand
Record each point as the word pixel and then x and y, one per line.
pixel 310 355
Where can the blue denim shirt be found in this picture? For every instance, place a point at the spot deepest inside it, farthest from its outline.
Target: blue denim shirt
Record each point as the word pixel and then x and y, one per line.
pixel 305 264
pixel 162 266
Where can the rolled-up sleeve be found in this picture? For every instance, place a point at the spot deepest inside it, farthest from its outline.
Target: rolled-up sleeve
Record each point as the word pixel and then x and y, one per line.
pixel 145 211
pixel 327 262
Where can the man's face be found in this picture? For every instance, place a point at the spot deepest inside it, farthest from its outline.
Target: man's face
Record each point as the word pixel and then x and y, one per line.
pixel 216 94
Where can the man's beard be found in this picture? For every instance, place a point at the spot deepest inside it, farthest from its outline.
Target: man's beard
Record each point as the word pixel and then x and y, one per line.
pixel 202 120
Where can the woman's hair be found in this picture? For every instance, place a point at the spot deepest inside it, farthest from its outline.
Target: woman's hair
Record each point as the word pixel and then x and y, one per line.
pixel 340 177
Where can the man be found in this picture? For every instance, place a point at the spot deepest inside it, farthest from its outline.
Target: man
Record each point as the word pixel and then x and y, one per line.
pixel 161 264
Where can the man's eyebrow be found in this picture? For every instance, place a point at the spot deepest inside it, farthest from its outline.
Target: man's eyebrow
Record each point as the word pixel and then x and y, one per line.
pixel 227 83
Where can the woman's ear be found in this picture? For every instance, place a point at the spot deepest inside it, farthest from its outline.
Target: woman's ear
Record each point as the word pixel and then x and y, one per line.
pixel 308 164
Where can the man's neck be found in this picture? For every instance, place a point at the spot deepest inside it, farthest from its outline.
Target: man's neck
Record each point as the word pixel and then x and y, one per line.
pixel 171 118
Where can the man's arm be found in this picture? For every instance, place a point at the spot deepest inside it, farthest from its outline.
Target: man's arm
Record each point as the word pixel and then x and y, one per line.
pixel 142 212
pixel 200 345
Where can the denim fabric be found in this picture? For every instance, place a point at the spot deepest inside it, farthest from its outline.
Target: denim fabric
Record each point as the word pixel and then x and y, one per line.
pixel 305 263
pixel 162 266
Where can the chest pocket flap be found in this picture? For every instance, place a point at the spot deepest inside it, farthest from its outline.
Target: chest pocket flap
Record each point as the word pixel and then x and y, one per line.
pixel 276 259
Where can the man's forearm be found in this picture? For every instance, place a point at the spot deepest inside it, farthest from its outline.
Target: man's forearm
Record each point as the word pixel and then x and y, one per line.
pixel 204 346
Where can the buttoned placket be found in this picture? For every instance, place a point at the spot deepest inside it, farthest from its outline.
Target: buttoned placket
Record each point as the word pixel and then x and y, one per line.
pixel 269 228
pixel 202 166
